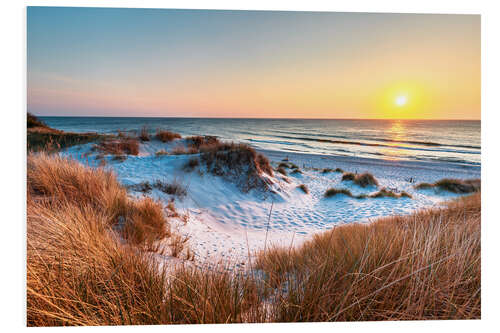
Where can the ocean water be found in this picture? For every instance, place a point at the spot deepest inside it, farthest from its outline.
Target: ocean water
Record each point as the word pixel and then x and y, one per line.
pixel 456 141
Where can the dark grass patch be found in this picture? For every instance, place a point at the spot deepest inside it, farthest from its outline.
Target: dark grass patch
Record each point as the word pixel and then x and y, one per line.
pixel 47 139
pixel 191 164
pixel 454 185
pixel 281 170
pixel 348 176
pixel 296 171
pixel 174 188
pixel 304 188
pixel 327 170
pixel 166 136
pixel 144 187
pixel 363 180
pixel 119 158
pixel 33 121
pixel 334 191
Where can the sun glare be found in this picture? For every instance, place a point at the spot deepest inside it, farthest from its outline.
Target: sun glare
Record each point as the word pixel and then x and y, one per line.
pixel 401 100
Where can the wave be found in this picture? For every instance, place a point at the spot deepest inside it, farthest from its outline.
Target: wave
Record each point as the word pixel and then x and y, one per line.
pixel 369 144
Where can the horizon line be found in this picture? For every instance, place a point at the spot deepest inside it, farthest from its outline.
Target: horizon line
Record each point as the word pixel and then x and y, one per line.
pixel 271 118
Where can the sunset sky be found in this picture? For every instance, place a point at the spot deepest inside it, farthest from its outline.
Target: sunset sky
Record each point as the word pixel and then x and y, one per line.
pixel 252 64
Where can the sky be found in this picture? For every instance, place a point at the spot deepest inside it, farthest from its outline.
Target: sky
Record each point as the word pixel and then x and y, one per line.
pixel 252 64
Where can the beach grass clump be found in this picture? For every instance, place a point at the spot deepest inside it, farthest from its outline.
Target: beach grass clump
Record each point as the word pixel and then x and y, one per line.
pixel 144 134
pixel 328 170
pixel 166 136
pixel 161 152
pixel 424 266
pixel 282 171
pixel 304 188
pixel 363 180
pixel 296 171
pixel 173 188
pixel 191 164
pixel 237 162
pixel 119 158
pixel 348 176
pixel 453 185
pixel 125 146
pixel 144 187
pixel 202 141
pixel 64 180
pixel 334 191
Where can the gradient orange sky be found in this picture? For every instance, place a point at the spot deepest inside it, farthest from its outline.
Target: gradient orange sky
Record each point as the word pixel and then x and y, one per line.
pixel 255 64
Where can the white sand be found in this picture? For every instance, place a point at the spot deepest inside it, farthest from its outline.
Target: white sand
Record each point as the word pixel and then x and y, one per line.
pixel 225 223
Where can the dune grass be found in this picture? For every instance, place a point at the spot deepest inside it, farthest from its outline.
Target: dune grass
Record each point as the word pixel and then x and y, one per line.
pixel 304 188
pixel 423 266
pixel 383 193
pixel 454 185
pixel 84 268
pixel 166 136
pixel 123 146
pixel 363 180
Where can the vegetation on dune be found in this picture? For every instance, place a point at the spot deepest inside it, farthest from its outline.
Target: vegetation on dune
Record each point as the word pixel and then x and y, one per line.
pixel 161 152
pixel 191 164
pixel 328 170
pixel 383 193
pixel 334 191
pixel 173 188
pixel 304 188
pixel 282 171
pixel 454 185
pixel 144 134
pixel 33 121
pixel 166 136
pixel 79 272
pixel 238 162
pixel 41 137
pixel 363 180
pixel 124 146
pixel 423 266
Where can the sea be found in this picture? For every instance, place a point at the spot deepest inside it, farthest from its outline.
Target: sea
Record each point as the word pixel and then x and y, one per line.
pixel 456 141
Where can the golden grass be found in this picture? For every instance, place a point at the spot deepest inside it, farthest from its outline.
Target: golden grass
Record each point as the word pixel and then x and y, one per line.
pixel 80 270
pixel 123 146
pixel 423 266
pixel 166 136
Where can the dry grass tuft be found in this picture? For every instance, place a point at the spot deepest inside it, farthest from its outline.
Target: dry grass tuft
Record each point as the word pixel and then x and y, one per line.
pixel 161 152
pixel 166 136
pixel 304 188
pixel 191 164
pixel 174 188
pixel 144 134
pixel 363 180
pixel 125 146
pixel 334 191
pixel 423 266
pixel 454 185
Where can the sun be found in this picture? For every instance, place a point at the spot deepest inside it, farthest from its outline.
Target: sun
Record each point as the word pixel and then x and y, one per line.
pixel 401 100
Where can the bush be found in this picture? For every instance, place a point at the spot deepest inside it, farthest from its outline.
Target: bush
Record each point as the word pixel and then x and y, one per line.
pixel 282 171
